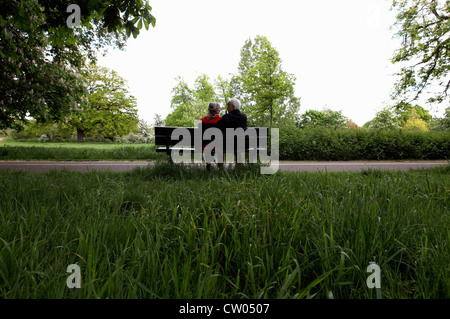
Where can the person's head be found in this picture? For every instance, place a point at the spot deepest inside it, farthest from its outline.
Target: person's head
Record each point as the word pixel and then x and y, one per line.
pixel 213 110
pixel 233 104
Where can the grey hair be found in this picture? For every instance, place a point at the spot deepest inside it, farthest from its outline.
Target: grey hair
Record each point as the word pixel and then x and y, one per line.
pixel 235 102
pixel 213 107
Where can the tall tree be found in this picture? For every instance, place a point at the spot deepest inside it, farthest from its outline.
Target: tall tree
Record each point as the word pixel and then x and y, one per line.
pixel 190 105
pixel 424 27
pixel 181 94
pixel 267 91
pixel 204 90
pixel 110 110
pixel 224 90
pixel 41 56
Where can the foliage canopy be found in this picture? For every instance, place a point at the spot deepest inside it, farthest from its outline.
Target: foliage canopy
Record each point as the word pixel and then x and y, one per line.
pixel 424 27
pixel 41 56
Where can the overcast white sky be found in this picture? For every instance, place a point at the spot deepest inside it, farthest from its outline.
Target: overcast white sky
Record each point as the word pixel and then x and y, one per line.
pixel 338 50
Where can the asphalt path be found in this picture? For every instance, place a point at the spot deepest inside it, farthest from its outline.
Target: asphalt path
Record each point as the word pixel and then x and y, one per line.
pixel 45 166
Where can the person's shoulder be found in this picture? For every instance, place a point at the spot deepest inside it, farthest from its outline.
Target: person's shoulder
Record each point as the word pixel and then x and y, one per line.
pixel 242 115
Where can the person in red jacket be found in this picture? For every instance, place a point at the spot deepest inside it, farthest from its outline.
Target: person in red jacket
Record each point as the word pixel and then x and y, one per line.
pixel 212 117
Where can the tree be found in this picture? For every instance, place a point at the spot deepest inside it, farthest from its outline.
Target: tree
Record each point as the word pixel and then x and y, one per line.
pixel 384 120
pixel 226 89
pixel 48 131
pixel 145 134
pixel 404 111
pixel 190 105
pixel 326 119
pixel 443 123
pixel 351 124
pixel 31 83
pixel 158 120
pixel 423 26
pixel 41 57
pixel 415 124
pixel 204 90
pixel 267 92
pixel 111 110
pixel 181 94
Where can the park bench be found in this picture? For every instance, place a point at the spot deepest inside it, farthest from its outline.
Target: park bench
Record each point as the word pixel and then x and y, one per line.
pixel 255 140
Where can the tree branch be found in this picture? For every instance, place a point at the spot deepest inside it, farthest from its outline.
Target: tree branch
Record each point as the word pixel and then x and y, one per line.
pixel 434 11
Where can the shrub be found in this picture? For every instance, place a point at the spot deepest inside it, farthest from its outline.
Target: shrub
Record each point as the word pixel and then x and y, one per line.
pixel 331 145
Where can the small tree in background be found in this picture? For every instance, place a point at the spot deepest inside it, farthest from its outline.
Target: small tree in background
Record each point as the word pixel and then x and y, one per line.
pixel 144 134
pixel 384 120
pixel 158 120
pixel 351 124
pixel 443 123
pixel 404 111
pixel 326 119
pixel 415 124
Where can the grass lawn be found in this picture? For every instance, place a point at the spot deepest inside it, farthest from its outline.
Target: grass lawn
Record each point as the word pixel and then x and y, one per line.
pixel 174 232
pixel 78 151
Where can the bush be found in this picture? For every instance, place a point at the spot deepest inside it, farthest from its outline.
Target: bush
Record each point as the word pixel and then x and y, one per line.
pixel 331 145
pixel 43 132
pixel 145 134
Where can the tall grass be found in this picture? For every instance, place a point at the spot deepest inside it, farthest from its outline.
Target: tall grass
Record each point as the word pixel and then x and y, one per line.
pixel 170 231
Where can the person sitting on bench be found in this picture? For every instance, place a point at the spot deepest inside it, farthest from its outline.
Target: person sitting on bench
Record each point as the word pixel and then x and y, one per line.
pixel 233 119
pixel 213 115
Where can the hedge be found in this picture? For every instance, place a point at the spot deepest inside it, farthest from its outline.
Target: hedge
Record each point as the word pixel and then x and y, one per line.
pixel 359 144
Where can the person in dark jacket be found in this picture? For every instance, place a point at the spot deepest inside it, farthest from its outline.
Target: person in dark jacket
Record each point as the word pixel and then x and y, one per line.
pixel 234 118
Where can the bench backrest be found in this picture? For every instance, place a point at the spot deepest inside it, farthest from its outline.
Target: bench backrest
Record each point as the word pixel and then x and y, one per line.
pixel 252 137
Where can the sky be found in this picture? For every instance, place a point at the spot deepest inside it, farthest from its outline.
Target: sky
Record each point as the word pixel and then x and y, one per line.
pixel 338 50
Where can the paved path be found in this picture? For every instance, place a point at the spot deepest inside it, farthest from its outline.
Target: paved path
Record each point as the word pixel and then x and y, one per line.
pixel 44 166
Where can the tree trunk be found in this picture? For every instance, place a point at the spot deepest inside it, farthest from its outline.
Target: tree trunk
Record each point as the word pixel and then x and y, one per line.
pixel 80 135
pixel 271 114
